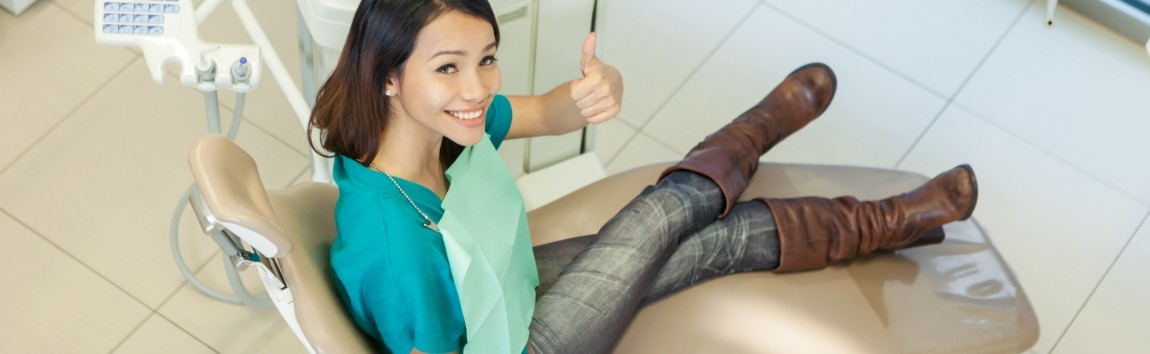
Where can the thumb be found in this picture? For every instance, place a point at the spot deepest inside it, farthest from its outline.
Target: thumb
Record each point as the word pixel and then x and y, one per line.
pixel 588 52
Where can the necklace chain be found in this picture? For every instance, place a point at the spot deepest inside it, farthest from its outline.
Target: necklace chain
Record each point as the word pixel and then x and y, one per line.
pixel 430 224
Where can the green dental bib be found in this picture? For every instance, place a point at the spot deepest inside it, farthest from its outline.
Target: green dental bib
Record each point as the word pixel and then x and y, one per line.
pixel 488 246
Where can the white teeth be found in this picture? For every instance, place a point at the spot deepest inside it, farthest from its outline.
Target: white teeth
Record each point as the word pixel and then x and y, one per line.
pixel 466 115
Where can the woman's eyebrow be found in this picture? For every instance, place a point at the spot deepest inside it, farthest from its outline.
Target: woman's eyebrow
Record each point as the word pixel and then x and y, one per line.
pixel 459 52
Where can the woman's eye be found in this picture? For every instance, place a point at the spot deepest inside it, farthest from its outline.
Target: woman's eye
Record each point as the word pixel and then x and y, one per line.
pixel 488 61
pixel 446 69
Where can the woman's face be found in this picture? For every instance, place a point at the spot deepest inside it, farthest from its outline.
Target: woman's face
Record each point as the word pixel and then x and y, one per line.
pixel 449 79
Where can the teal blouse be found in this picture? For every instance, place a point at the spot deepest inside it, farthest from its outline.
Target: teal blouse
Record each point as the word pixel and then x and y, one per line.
pixel 391 272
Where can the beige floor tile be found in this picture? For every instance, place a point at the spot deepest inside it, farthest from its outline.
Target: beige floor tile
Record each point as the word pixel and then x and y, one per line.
pixel 47 75
pixel 53 304
pixel 1116 317
pixel 934 44
pixel 82 9
pixel 656 44
pixel 1077 90
pixel 873 120
pixel 114 172
pixel 158 335
pixel 1057 228
pixel 226 327
pixel 641 151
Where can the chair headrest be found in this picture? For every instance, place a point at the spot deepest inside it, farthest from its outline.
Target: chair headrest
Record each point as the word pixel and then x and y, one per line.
pixel 227 178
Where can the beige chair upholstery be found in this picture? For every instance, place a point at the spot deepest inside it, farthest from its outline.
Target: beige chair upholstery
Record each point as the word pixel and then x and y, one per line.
pixel 955 297
pixel 299 220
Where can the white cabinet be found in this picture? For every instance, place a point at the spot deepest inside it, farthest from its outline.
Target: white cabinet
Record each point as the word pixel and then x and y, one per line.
pixel 562 26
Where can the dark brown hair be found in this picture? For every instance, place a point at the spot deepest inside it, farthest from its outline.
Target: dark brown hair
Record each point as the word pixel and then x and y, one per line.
pixel 351 109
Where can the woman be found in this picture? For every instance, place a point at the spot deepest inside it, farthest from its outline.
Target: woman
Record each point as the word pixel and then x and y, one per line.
pixel 417 83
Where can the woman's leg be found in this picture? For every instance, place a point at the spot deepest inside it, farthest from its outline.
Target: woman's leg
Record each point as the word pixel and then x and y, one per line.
pixel 587 308
pixel 745 240
pixel 813 232
pixel 838 229
pixel 591 303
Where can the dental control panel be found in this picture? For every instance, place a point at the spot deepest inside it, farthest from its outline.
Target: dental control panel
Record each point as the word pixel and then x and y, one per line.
pixel 166 31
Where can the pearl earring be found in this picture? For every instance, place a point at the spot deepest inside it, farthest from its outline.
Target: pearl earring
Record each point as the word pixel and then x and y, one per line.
pixel 388 93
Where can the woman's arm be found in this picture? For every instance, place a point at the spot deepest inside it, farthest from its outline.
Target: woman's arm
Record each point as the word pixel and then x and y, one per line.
pixel 595 98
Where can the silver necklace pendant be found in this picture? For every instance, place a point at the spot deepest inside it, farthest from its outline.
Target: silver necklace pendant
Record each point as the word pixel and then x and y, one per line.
pixel 430 224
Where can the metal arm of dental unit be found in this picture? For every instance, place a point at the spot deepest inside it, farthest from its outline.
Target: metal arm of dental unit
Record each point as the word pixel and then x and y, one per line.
pixel 166 31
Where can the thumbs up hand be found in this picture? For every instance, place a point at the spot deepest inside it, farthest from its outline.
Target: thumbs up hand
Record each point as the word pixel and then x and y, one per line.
pixel 599 94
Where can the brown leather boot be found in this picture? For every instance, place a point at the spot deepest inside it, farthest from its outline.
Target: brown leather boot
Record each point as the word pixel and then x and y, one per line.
pixel 815 232
pixel 730 155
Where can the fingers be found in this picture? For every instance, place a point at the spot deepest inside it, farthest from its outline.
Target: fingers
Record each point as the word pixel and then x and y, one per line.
pixel 600 112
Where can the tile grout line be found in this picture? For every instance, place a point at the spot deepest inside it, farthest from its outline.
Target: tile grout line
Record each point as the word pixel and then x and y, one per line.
pixel 1138 200
pixel 675 92
pixel 73 257
pixel 134 330
pixel 66 117
pixel 65 10
pixel 950 100
pixel 866 57
pixel 1100 281
pixel 695 71
pixel 206 345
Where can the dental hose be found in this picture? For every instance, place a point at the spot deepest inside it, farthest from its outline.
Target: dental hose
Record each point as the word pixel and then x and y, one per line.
pixel 242 296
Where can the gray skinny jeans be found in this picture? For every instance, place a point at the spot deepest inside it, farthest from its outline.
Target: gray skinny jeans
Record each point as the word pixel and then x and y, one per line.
pixel 663 241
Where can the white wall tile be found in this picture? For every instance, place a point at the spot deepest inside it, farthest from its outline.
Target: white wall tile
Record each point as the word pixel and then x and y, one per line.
pixel 641 151
pixel 873 120
pixel 1116 317
pixel 53 304
pixel 936 44
pixel 1057 228
pixel 656 44
pixel 611 137
pixel 1076 90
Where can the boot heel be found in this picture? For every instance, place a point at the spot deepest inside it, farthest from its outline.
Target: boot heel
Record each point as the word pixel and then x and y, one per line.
pixel 933 237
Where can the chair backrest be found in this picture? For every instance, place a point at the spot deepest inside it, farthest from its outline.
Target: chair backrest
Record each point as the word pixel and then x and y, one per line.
pixel 295 226
pixel 308 215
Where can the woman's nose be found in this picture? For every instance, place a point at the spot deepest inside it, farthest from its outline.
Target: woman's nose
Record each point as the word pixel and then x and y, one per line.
pixel 475 88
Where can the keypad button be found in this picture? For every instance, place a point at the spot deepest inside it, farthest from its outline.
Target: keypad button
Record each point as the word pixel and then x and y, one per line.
pixel 125 30
pixel 125 18
pixel 111 6
pixel 172 8
pixel 141 8
pixel 140 18
pixel 156 8
pixel 126 7
pixel 111 17
pixel 156 30
pixel 139 30
pixel 156 19
pixel 110 28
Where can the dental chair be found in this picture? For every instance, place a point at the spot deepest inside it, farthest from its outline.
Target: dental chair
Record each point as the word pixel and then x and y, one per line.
pixel 958 296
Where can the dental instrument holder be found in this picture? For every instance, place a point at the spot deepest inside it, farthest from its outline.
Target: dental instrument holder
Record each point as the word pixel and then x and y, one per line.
pixel 167 31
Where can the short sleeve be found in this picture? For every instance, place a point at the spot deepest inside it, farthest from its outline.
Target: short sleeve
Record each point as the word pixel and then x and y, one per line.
pixel 425 285
pixel 498 122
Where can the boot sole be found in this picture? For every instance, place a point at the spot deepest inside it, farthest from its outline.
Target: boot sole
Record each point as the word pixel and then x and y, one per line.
pixel 834 81
pixel 973 191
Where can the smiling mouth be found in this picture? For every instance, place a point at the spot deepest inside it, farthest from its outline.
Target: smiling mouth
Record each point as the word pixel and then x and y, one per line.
pixel 466 115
